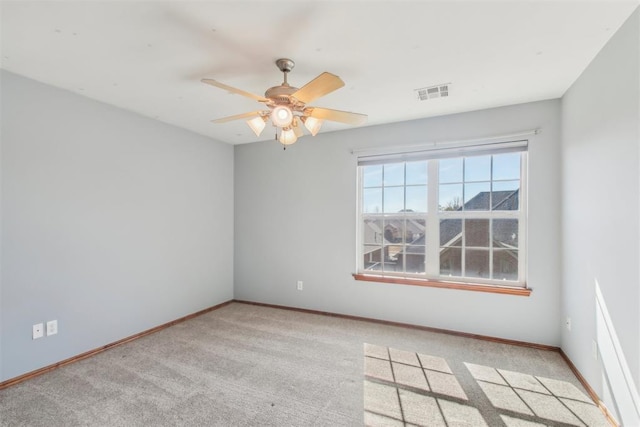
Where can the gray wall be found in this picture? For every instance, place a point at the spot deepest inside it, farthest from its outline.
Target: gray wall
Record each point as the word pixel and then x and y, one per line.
pixel 295 214
pixel 112 223
pixel 601 189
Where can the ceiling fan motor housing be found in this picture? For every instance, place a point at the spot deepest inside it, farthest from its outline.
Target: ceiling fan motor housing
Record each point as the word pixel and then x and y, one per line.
pixel 280 95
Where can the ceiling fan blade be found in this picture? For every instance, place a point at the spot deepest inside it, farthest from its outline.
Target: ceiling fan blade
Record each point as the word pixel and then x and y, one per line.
pixel 238 117
pixel 234 90
pixel 336 115
pixel 322 85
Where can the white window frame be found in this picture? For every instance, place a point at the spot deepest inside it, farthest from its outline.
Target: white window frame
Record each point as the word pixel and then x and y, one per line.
pixel 433 215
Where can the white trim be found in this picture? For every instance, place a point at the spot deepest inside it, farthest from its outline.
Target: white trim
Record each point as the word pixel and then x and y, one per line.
pixel 359 223
pixel 432 268
pixel 614 364
pixel 434 153
pixel 452 143
pixel 523 219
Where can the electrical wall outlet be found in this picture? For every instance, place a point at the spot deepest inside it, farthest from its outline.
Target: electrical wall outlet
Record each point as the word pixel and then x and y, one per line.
pixel 568 324
pixel 37 331
pixel 300 285
pixel 52 327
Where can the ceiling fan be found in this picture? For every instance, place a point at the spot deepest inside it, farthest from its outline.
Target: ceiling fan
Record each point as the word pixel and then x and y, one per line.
pixel 286 106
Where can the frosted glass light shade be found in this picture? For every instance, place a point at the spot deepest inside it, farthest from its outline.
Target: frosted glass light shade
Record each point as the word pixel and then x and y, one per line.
pixel 296 128
pixel 281 116
pixel 288 136
pixel 312 124
pixel 257 124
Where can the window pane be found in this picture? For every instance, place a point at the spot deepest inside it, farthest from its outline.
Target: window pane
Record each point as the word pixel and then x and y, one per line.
pixel 403 234
pixel 477 263
pixel 372 257
pixel 505 233
pixel 372 232
pixel 451 262
pixel 372 176
pixel 450 197
pixel 476 196
pixel 372 200
pixel 450 232
pixel 393 230
pixel 477 168
pixel 506 166
pixel 416 198
pixel 476 232
pixel 391 265
pixel 394 174
pixel 505 264
pixel 393 199
pixel 391 260
pixel 416 173
pixel 505 196
pixel 450 170
pixel 416 231
pixel 414 258
pixel 477 221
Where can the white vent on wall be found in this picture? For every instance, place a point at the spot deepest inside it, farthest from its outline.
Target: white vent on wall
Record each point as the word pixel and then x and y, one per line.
pixel 430 92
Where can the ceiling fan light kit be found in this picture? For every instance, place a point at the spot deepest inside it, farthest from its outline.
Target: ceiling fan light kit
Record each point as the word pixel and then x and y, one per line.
pixel 257 124
pixel 281 116
pixel 287 106
pixel 288 136
pixel 312 124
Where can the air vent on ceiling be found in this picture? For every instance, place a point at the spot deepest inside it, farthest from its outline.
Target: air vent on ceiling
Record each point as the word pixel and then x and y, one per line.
pixel 430 92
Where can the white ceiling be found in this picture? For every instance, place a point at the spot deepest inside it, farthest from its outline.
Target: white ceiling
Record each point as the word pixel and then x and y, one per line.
pixel 149 56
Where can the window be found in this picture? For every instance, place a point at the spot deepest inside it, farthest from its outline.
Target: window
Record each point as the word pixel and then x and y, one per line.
pixel 445 216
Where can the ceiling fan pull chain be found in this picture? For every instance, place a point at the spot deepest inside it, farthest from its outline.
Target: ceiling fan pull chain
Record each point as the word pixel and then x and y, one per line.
pixel 284 147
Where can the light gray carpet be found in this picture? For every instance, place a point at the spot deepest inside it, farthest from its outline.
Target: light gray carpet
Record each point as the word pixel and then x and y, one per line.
pixel 407 388
pixel 246 365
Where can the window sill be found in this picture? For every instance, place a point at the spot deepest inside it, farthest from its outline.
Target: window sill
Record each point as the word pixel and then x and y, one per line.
pixel 495 289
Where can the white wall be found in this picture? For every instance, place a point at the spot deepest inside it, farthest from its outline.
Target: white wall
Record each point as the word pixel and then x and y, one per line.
pixel 112 223
pixel 295 216
pixel 601 197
